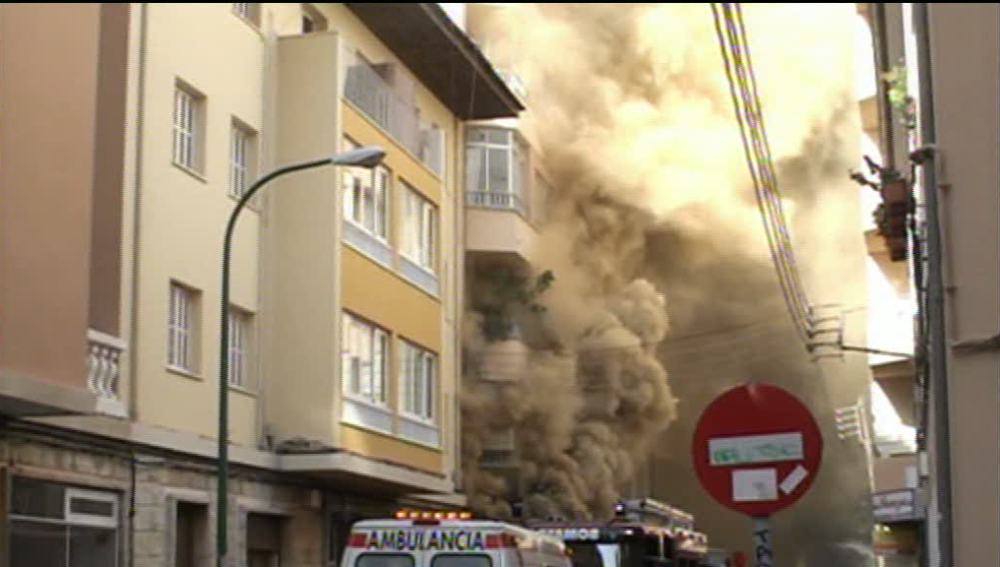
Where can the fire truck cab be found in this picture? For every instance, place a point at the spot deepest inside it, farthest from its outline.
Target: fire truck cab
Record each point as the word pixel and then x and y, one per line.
pixel 449 540
pixel 643 533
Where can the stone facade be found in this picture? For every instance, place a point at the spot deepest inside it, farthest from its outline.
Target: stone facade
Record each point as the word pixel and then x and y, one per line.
pixel 150 486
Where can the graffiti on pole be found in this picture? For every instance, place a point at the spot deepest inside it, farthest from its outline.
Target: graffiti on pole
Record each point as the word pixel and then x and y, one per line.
pixel 763 553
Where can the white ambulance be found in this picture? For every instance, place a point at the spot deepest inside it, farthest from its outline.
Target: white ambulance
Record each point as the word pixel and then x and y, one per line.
pixel 449 539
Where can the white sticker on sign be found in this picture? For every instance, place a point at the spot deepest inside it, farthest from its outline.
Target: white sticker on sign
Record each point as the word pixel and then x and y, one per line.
pixel 751 449
pixel 755 485
pixel 794 479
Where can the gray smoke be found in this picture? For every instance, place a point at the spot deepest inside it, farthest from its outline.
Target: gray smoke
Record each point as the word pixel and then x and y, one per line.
pixel 653 213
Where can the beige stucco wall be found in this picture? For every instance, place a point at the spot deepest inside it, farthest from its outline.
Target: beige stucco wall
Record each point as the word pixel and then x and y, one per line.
pixel 182 216
pixel 288 90
pixel 965 43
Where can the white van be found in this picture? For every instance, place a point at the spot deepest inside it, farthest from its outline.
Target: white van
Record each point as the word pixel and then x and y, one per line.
pixel 445 541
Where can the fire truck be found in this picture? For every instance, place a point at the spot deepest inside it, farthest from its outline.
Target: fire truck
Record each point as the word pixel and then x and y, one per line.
pixel 643 533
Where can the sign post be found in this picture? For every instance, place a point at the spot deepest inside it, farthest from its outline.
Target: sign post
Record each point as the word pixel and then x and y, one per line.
pixel 757 450
pixel 762 551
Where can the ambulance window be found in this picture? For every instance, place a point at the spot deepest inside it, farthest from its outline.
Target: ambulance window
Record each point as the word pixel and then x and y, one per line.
pixel 456 560
pixel 384 560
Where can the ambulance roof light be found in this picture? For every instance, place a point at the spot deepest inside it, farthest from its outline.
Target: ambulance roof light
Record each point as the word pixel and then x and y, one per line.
pixel 432 515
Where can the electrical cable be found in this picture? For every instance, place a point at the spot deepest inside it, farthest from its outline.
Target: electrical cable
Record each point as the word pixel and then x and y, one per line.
pixel 734 47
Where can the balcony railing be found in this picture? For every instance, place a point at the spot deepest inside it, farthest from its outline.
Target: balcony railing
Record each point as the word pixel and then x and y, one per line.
pixel 496 200
pixel 104 369
pixel 371 94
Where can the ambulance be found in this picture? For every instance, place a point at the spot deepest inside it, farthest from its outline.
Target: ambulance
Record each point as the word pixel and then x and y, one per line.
pixel 449 539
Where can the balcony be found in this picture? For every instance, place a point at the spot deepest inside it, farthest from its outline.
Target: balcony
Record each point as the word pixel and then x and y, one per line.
pixel 98 390
pixel 499 201
pixel 498 230
pixel 504 361
pixel 499 194
pixel 104 353
pixel 366 89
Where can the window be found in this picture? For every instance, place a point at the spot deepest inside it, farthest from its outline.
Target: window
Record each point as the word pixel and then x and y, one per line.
pixel 242 159
pixel 249 12
pixel 240 341
pixel 364 355
pixel 417 370
pixel 598 555
pixel 366 198
pixel 59 525
pixel 188 128
pixel 489 160
pixel 497 169
pixel 190 531
pixel 181 325
pixel 384 560
pixel 419 229
pixel 461 560
pixel 432 147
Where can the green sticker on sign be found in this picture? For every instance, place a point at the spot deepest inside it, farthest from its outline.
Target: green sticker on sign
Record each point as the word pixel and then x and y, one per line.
pixel 753 449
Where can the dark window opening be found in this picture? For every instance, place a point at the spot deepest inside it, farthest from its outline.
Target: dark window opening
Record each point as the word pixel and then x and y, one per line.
pixel 465 560
pixel 384 560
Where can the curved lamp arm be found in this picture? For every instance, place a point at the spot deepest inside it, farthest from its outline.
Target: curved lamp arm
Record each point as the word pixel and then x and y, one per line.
pixel 365 156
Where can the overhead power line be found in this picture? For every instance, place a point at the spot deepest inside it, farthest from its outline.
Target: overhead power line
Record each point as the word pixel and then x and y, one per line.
pixel 733 44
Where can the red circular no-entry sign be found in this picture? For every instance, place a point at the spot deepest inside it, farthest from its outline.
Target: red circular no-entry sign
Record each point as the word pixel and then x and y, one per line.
pixel 757 449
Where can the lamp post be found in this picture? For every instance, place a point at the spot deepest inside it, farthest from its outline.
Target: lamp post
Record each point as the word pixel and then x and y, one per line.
pixel 366 156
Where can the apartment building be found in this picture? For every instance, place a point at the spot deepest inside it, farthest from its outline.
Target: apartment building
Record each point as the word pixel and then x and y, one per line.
pixel 128 153
pixel 506 191
pixel 948 95
pixel 898 501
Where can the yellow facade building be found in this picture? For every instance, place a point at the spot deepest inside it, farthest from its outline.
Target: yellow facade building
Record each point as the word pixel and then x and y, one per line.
pixel 346 283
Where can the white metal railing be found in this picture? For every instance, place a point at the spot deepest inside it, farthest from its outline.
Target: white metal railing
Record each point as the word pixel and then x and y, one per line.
pixel 103 364
pixel 368 91
pixel 496 200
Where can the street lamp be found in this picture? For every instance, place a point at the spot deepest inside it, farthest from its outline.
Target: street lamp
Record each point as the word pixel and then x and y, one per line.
pixel 366 156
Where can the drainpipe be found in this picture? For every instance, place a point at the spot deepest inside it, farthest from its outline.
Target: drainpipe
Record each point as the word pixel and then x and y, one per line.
pixel 133 340
pixel 880 36
pixel 935 308
pixel 133 395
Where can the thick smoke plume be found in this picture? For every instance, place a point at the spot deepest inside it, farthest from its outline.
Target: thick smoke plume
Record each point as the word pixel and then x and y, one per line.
pixel 652 212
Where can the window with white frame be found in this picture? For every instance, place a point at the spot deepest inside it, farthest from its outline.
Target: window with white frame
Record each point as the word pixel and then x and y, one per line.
pixel 495 158
pixel 242 159
pixel 366 197
pixel 181 328
pixel 248 11
pixel 497 169
pixel 188 127
pixel 240 345
pixel 364 360
pixel 419 228
pixel 56 524
pixel 417 372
